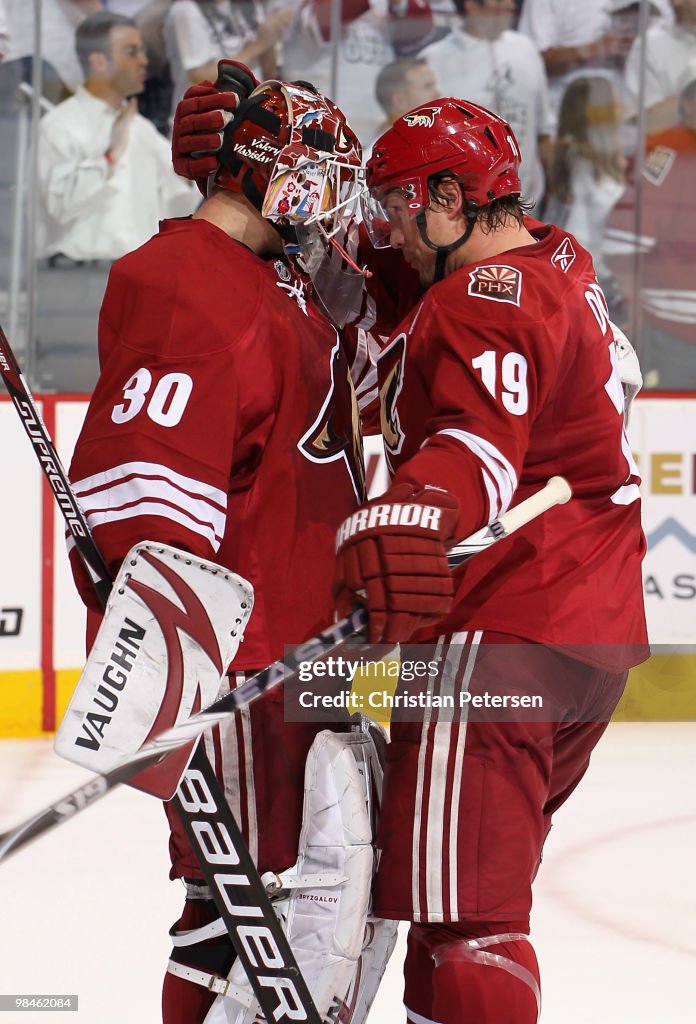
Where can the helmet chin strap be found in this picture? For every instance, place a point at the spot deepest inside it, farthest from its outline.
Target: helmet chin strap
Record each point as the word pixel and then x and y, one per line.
pixel 443 251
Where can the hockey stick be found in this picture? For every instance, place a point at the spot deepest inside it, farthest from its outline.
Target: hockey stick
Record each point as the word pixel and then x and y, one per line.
pixel 210 826
pixel 53 469
pixel 268 960
pixel 556 492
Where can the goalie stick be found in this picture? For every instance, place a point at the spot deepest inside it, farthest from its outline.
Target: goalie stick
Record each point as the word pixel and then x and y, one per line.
pixel 556 492
pixel 200 804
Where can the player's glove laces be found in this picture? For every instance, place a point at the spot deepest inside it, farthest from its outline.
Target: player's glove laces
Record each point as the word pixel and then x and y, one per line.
pixel 200 119
pixel 392 557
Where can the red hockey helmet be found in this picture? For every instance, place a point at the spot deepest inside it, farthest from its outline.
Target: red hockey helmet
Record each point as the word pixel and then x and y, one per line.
pixel 449 134
pixel 292 153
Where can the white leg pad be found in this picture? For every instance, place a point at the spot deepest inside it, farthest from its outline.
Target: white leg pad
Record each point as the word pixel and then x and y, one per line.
pixel 341 953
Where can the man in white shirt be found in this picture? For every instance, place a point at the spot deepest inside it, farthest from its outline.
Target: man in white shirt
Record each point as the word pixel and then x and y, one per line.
pixel 105 181
pixel 484 61
pixel 401 85
pixel 573 36
pixel 669 51
pixel 105 173
pixel 373 33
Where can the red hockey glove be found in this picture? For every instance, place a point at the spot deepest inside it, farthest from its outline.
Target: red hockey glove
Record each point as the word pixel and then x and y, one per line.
pixel 201 116
pixel 392 557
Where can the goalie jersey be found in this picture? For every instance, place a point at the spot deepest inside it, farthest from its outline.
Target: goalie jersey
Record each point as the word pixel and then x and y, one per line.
pixel 225 423
pixel 504 375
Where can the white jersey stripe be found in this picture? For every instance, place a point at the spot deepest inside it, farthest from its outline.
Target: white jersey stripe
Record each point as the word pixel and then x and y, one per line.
pixel 139 490
pixel 500 468
pixel 626 495
pixel 459 638
pixel 150 469
pixel 434 844
pixel 418 1018
pixel 152 508
pixel 493 497
pixel 418 810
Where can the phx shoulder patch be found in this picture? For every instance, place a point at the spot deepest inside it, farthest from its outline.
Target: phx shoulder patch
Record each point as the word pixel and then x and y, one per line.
pixel 498 283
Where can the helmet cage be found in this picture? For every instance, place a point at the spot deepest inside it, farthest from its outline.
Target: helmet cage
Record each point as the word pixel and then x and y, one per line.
pixel 292 153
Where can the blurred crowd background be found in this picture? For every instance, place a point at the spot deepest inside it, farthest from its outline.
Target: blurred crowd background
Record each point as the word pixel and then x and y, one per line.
pixel 600 93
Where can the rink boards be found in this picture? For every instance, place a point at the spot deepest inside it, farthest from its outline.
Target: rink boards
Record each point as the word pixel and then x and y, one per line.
pixel 42 618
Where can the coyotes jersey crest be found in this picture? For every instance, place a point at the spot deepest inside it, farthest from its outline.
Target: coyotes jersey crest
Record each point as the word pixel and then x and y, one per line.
pixel 336 434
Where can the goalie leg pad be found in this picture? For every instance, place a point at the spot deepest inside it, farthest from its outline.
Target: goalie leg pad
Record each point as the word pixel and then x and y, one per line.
pixel 326 896
pixel 171 627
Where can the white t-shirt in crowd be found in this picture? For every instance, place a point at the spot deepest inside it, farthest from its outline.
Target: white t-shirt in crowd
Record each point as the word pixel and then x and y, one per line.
pixel 129 8
pixel 4 30
pixel 507 76
pixel 59 19
pixel 585 216
pixel 88 213
pixel 669 49
pixel 558 23
pixel 195 35
pixel 364 49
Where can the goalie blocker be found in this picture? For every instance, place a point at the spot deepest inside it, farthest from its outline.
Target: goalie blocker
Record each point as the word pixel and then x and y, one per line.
pixel 171 627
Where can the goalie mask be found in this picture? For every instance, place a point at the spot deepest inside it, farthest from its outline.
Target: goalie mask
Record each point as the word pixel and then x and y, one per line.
pixel 292 153
pixel 445 137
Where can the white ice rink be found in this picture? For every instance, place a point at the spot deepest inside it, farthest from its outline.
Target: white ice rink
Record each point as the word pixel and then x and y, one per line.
pixel 86 909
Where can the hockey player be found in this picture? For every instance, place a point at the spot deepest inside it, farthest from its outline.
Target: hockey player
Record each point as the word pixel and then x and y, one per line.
pixel 501 376
pixel 224 423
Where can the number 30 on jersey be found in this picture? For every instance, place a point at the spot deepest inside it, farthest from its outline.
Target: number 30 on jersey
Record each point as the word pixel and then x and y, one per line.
pixel 164 402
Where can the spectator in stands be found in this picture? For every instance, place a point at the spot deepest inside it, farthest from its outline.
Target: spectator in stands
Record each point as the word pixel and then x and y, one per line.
pixel 105 173
pixel 198 33
pixel 401 85
pixel 487 62
pixel 572 36
pixel 155 101
pixel 373 33
pixel 61 73
pixel 669 50
pixel 667 247
pixel 129 8
pixel 588 174
pixel 4 30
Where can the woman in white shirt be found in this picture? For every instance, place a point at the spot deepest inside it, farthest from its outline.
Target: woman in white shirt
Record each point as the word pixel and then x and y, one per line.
pixel 589 171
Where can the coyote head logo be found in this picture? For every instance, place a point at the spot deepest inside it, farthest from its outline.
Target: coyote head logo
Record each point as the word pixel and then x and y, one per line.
pixel 423 117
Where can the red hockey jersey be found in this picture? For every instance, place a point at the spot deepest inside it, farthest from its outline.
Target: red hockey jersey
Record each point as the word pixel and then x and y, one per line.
pixel 503 376
pixel 224 422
